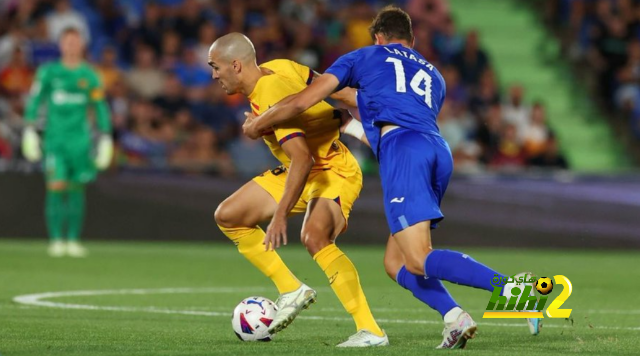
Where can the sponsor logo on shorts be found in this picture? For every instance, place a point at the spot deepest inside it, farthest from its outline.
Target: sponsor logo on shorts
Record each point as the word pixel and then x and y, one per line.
pixel 397 200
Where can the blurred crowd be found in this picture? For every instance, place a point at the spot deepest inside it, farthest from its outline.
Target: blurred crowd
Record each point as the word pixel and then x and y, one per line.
pixel 605 35
pixel 169 115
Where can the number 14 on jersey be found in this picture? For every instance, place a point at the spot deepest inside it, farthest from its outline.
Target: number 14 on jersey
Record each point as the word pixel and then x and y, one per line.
pixel 416 82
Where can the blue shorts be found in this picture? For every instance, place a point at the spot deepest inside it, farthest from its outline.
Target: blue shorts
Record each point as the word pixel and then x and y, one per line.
pixel 415 169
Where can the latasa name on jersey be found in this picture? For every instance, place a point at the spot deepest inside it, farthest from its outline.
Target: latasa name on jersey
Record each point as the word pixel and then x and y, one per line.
pixel 409 56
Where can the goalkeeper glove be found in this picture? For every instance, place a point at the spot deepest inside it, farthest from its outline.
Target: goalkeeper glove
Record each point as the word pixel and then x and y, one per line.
pixel 104 152
pixel 31 144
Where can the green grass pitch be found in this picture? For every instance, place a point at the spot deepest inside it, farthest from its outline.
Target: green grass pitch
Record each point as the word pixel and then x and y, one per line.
pixel 177 298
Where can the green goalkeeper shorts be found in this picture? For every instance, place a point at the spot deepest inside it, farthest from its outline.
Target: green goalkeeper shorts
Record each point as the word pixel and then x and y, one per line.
pixel 74 166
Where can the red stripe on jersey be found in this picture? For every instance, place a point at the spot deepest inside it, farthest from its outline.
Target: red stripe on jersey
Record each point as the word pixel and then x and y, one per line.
pixel 255 105
pixel 290 136
pixel 310 79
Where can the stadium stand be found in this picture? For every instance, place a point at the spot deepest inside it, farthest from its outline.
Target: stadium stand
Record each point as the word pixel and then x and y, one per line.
pixel 169 116
pixel 601 40
pixel 587 141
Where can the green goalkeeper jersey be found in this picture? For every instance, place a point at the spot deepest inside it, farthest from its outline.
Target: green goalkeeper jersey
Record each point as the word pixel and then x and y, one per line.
pixel 69 94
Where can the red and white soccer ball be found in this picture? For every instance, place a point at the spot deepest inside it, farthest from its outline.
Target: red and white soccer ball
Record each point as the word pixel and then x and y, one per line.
pixel 252 317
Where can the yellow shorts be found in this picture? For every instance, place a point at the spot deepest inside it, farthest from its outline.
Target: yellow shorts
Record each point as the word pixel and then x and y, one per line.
pixel 320 184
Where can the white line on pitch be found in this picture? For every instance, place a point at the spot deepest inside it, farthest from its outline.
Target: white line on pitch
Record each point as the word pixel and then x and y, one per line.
pixel 37 300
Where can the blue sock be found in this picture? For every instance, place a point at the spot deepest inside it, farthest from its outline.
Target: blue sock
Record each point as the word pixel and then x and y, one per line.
pixel 459 268
pixel 428 290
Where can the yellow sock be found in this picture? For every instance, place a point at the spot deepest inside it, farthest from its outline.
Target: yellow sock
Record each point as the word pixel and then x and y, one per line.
pixel 249 241
pixel 345 283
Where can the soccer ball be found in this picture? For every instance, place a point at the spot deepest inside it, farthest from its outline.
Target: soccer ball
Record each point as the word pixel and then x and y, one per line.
pixel 252 317
pixel 544 285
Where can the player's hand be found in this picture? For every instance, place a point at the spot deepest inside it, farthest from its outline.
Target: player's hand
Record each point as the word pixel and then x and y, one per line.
pixel 248 128
pixel 352 126
pixel 276 232
pixel 104 152
pixel 345 119
pixel 31 144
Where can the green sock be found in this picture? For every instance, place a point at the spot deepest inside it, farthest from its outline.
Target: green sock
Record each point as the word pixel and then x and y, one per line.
pixel 75 206
pixel 54 212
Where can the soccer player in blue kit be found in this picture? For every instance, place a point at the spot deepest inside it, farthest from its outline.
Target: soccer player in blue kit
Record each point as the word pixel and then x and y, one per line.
pixel 399 96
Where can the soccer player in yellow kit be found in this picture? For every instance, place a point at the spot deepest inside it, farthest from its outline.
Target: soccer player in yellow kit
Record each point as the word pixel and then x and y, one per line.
pixel 318 177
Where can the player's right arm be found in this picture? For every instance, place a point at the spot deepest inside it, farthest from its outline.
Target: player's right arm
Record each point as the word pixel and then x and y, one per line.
pixel 349 125
pixel 291 106
pixel 353 127
pixel 39 91
pixel 339 76
pixel 346 95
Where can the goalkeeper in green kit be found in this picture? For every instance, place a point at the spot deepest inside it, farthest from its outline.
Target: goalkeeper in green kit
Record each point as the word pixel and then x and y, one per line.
pixel 71 90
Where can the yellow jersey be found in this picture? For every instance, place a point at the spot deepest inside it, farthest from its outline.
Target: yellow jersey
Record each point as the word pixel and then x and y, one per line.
pixel 319 125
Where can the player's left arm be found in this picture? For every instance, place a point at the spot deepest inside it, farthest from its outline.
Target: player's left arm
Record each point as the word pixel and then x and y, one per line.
pixel 103 122
pixel 292 105
pixel 302 161
pixel 40 89
pixel 99 103
pixel 353 127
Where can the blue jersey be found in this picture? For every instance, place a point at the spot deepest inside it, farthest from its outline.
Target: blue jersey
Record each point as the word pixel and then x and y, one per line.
pixel 396 85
